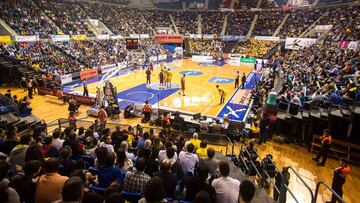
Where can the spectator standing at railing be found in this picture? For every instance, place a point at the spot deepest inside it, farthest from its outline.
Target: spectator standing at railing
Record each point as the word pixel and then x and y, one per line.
pixel 340 174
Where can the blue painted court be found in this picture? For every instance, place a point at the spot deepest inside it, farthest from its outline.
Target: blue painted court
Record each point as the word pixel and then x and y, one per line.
pixel 221 80
pixel 233 111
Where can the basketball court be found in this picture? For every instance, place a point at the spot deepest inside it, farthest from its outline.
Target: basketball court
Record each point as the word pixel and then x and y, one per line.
pixel 201 95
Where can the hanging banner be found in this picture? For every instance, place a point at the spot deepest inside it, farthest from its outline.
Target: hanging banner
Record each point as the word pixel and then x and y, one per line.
pixel 79 37
pixel 5 39
pixel 267 38
pixel 247 60
pixel 233 38
pixel 323 27
pixel 144 36
pixel 66 79
pixel 162 38
pixel 353 45
pixel 89 73
pixel 136 36
pixel 116 37
pixel 227 10
pixel 107 68
pixel 194 36
pixel 60 38
pixel 29 38
pixel 103 37
pixel 298 43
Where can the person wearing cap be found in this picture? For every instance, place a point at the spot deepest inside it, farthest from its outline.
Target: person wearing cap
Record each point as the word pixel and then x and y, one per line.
pixel 340 174
pixel 326 141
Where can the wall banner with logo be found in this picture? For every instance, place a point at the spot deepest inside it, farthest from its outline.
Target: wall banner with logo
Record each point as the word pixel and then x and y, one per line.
pixel 66 79
pixel 89 73
pixel 163 38
pixel 267 38
pixel 28 38
pixel 298 43
pixel 5 39
pixel 60 38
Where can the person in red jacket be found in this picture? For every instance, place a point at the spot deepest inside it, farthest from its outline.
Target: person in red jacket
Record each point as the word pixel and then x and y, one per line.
pixel 102 117
pixel 326 141
pixel 340 174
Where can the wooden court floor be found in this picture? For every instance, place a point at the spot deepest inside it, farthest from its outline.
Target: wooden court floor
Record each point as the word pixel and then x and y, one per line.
pixel 201 95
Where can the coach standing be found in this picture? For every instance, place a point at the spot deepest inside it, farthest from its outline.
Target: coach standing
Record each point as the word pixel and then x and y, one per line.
pixel 86 91
pixel 243 81
pixel 237 79
pixel 326 141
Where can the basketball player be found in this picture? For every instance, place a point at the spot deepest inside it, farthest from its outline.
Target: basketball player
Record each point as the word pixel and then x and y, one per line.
pixel 182 86
pixel 161 79
pixel 148 76
pixel 165 77
pixel 237 79
pixel 151 67
pixel 169 76
pixel 222 94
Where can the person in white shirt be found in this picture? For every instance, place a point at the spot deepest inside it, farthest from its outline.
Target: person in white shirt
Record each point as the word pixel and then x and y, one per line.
pixel 125 146
pixel 227 188
pixel 162 153
pixel 188 160
pixel 107 144
pixel 57 142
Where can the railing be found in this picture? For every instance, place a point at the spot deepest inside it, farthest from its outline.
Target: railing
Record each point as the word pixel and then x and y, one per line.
pixel 329 188
pixel 215 139
pixel 303 181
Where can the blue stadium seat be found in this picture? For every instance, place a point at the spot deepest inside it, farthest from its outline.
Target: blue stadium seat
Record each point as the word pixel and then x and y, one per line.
pixel 132 197
pixel 98 190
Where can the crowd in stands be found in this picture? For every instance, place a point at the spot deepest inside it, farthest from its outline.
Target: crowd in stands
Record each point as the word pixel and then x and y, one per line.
pixel 212 22
pixel 69 17
pixel 42 57
pixel 186 21
pixel 298 22
pixel 246 4
pixel 239 23
pixel 109 16
pixel 158 18
pixel 135 20
pixel 25 18
pixel 320 74
pixel 254 48
pixel 95 53
pixel 150 47
pixel 204 47
pixel 97 165
pixel 267 23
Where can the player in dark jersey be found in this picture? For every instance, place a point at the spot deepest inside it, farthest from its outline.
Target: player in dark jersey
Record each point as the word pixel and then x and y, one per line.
pixel 161 79
pixel 182 86
pixel 148 76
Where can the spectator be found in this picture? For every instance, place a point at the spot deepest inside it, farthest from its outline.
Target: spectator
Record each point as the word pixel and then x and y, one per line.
pixel 67 165
pixel 210 163
pixel 227 188
pixel 47 149
pixel 202 197
pixel 202 151
pixel 122 162
pixel 188 160
pixel 34 153
pixel 168 177
pixel 199 183
pixel 72 190
pixel 125 146
pixel 154 191
pixel 89 196
pixel 195 141
pixel 247 191
pixel 8 194
pixel 108 173
pixel 57 142
pixel 136 180
pixel 107 143
pixel 74 144
pixel 17 155
pixel 24 184
pixel 11 141
pixel 49 186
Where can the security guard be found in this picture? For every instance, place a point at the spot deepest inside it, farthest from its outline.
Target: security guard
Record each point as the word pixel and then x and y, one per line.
pixel 340 174
pixel 326 140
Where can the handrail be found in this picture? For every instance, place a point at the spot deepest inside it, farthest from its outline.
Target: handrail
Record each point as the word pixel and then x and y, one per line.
pixel 251 161
pixel 237 157
pixel 328 187
pixel 302 180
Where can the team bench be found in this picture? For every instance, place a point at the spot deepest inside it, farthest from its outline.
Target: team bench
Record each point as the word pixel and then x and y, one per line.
pixel 53 99
pixel 339 148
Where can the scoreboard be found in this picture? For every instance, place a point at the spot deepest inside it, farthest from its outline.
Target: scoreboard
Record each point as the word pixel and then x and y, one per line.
pixel 132 43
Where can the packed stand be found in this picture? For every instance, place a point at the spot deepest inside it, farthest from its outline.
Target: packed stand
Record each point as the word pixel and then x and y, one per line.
pixel 69 17
pixel 299 21
pixel 186 21
pixel 254 48
pixel 43 57
pixel 212 22
pixel 268 4
pixel 95 53
pixel 150 47
pixel 345 21
pixel 158 18
pixel 135 20
pixel 267 23
pixel 110 17
pixel 98 165
pixel 320 74
pixel 204 47
pixel 239 23
pixel 26 19
pixel 246 4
